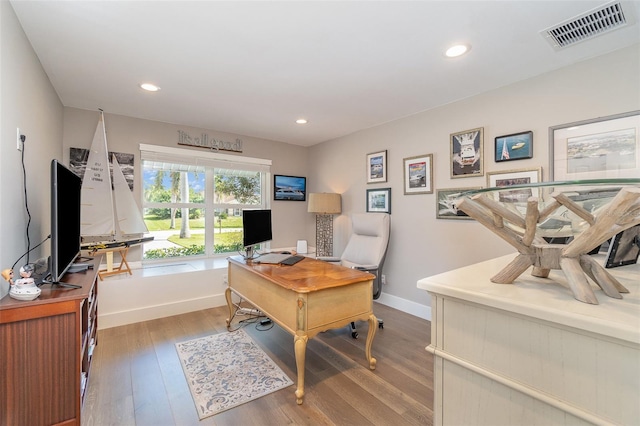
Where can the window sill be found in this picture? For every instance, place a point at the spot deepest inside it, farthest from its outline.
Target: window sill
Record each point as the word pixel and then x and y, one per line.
pixel 179 266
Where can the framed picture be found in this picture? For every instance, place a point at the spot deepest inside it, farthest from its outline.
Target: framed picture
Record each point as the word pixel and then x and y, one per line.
pixel 466 153
pixel 78 158
pixel 601 148
pixel 289 188
pixel 377 167
pixel 516 146
pixel 379 200
pixel 418 174
pixel 447 205
pixel 514 178
pixel 624 248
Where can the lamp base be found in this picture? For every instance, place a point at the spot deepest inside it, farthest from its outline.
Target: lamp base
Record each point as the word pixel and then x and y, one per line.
pixel 324 235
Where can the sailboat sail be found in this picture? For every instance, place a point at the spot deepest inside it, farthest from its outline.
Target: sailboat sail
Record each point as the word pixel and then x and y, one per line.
pixel 97 204
pixel 106 213
pixel 127 214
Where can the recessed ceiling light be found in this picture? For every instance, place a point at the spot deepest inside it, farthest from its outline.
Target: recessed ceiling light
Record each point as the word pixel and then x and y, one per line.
pixel 149 87
pixel 301 121
pixel 457 50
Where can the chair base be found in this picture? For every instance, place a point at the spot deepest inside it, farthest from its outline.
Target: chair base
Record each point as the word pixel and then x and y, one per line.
pixel 354 332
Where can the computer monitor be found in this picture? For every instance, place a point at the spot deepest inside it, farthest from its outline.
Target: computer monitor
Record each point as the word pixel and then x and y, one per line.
pixel 256 229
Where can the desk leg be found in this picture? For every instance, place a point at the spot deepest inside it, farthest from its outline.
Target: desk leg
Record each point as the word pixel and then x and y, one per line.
pixel 373 326
pixel 300 346
pixel 227 294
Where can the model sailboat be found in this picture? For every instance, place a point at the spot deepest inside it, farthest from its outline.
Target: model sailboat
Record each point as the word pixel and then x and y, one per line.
pixel 108 213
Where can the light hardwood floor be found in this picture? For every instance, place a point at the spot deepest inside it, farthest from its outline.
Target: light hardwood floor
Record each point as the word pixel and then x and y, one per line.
pixel 137 379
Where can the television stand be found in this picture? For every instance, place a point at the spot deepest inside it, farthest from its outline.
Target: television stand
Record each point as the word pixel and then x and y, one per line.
pixel 48 345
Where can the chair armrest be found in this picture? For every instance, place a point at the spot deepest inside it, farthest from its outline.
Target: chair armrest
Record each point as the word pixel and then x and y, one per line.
pixel 368 268
pixel 329 259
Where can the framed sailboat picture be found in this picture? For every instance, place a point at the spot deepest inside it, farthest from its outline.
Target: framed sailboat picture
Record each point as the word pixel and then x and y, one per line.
pixel 516 146
pixel 80 156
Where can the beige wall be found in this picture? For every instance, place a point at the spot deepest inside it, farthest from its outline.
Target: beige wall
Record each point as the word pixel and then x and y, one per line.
pixel 125 134
pixel 28 101
pixel 422 245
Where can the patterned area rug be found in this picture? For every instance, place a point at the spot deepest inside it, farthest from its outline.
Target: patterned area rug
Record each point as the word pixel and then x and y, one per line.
pixel 226 370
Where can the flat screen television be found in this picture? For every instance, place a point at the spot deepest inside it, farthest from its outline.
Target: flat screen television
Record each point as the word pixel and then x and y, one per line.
pixel 65 221
pixel 256 229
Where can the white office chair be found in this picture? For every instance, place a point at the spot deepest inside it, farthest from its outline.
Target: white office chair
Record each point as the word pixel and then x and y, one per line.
pixel 366 250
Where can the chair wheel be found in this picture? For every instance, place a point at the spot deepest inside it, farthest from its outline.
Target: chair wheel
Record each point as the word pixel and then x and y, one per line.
pixel 380 323
pixel 354 334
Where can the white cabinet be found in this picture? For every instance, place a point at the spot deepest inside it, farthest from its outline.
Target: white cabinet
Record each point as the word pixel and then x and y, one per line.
pixel 529 353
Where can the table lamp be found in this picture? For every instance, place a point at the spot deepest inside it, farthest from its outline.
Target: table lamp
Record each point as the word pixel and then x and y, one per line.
pixel 325 206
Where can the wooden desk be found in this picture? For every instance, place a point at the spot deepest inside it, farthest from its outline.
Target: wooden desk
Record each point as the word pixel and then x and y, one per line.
pixel 305 299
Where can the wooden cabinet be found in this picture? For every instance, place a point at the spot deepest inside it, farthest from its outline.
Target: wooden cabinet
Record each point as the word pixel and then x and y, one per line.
pixel 529 353
pixel 45 352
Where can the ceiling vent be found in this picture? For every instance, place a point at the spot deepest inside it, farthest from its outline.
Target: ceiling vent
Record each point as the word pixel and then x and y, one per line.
pixel 588 25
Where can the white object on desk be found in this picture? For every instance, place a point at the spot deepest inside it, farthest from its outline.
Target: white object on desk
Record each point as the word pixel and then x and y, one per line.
pixel 301 247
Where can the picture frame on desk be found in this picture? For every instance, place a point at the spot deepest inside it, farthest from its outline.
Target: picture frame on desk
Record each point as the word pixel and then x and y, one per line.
pixel 624 248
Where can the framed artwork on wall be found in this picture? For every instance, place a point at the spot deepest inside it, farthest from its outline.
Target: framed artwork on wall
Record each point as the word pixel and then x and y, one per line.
pixel 466 153
pixel 447 203
pixel 418 174
pixel 289 188
pixel 601 148
pixel 379 200
pixel 518 179
pixel 516 146
pixel 377 167
pixel 78 158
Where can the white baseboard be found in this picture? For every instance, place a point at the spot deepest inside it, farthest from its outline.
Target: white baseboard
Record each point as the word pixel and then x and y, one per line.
pixel 146 313
pixel 404 305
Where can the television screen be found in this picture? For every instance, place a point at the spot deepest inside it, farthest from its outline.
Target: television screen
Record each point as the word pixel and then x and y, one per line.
pixel 65 219
pixel 256 227
pixel 290 188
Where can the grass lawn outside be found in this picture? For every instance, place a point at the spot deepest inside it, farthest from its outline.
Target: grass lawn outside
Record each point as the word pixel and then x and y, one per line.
pixel 224 238
pixel 154 224
pixel 227 235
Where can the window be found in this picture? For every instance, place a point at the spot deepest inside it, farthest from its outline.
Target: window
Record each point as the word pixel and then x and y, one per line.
pixel 193 201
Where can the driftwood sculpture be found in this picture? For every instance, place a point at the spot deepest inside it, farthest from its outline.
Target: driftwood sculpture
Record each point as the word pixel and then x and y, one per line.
pixel 622 212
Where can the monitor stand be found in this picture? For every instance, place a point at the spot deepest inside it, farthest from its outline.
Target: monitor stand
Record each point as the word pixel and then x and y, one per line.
pixel 248 252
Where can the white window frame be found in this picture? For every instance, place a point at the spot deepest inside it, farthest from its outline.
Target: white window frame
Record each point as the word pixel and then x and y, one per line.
pixel 209 160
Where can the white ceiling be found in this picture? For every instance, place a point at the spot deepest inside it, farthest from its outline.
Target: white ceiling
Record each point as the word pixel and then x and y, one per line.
pixel 253 68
